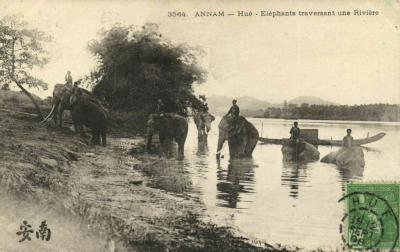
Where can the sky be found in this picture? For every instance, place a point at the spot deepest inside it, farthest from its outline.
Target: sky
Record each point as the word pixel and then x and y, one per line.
pixel 346 60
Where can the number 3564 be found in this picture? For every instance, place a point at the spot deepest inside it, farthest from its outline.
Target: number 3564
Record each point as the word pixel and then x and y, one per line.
pixel 177 14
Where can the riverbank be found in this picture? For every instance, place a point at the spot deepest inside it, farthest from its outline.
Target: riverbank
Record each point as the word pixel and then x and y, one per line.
pixel 104 189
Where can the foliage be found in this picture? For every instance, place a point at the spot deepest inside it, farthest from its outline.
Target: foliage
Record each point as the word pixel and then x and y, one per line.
pixel 369 112
pixel 139 66
pixel 21 49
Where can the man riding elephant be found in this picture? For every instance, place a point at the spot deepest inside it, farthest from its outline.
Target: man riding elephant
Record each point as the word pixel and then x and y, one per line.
pixel 349 156
pixel 234 110
pixel 348 140
pixel 61 101
pixel 68 79
pixel 295 131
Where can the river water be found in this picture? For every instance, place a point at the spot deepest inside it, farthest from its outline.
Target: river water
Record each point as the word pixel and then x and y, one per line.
pixel 291 204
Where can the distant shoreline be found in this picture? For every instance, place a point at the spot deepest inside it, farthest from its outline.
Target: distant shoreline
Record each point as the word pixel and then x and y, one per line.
pixel 328 120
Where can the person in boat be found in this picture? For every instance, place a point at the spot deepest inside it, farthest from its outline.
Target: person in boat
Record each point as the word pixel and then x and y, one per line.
pixel 348 139
pixel 68 79
pixel 234 110
pixel 295 131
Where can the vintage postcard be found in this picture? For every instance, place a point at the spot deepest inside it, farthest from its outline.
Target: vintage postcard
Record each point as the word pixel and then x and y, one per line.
pixel 136 125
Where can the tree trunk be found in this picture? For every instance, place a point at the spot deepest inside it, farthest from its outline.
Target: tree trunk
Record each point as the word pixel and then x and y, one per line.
pixel 38 110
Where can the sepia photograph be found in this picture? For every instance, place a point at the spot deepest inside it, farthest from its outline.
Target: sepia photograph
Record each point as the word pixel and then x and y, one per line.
pixel 199 126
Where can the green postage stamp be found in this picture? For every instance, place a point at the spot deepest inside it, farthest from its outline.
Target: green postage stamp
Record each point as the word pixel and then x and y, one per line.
pixel 371 218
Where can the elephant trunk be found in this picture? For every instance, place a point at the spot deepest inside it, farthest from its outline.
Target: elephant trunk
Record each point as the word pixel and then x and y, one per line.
pixel 221 141
pixel 149 138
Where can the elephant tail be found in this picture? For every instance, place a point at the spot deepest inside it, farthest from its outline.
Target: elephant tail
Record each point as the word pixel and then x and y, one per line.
pixel 49 115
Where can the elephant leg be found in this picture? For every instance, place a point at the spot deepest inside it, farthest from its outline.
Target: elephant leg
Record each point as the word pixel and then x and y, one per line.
pixel 162 144
pixel 81 130
pixel 181 145
pixel 55 114
pixel 76 127
pixel 60 112
pixel 95 137
pixel 169 147
pixel 98 140
pixel 103 138
pixel 181 150
pixel 149 140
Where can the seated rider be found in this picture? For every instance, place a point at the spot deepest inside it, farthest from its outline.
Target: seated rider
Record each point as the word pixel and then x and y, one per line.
pixel 348 139
pixel 295 131
pixel 160 107
pixel 68 79
pixel 234 110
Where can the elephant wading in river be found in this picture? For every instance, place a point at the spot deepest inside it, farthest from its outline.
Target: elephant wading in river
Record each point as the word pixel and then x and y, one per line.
pixel 241 135
pixel 169 126
pixel 299 151
pixel 203 123
pixel 90 114
pixel 352 157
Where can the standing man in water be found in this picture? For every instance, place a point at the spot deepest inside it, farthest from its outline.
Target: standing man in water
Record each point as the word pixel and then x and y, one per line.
pixel 234 110
pixel 295 131
pixel 68 79
pixel 348 139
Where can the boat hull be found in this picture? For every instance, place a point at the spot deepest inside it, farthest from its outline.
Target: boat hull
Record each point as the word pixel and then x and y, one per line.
pixel 326 142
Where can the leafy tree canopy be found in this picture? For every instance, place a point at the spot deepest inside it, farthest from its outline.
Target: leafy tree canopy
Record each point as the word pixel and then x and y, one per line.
pixel 21 49
pixel 139 66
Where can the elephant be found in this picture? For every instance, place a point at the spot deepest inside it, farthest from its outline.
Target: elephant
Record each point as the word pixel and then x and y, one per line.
pixel 90 114
pixel 346 157
pixel 203 124
pixel 241 135
pixel 169 126
pixel 61 101
pixel 299 151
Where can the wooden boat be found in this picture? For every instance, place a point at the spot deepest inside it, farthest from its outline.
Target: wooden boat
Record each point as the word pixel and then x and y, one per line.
pixel 317 141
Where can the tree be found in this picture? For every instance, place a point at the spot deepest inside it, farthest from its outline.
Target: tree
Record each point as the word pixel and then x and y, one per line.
pixel 138 66
pixel 21 49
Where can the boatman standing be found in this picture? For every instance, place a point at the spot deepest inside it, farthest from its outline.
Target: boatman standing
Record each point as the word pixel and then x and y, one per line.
pixel 295 131
pixel 348 139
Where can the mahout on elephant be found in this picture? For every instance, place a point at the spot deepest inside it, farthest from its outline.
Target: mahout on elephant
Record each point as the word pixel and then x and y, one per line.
pixel 87 113
pixel 61 101
pixel 241 135
pixel 169 126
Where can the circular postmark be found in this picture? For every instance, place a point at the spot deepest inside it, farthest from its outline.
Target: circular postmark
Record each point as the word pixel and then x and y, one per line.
pixel 369 222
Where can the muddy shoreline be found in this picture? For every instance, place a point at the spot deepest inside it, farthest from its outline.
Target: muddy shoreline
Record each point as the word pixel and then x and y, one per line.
pixel 106 189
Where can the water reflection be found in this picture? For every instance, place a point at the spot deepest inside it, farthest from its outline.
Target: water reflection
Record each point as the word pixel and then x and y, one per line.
pixel 202 147
pixel 351 173
pixel 237 179
pixel 293 175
